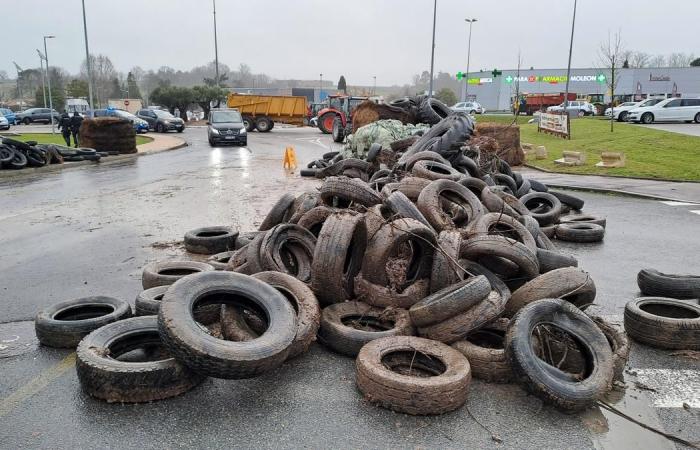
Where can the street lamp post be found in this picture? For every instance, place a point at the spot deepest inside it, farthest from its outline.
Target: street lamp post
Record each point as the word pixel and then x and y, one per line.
pixel 568 67
pixel 48 77
pixel 432 52
pixel 216 46
pixel 469 52
pixel 88 63
pixel 43 79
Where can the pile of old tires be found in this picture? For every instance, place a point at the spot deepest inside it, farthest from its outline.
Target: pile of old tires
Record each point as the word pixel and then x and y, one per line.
pixel 17 155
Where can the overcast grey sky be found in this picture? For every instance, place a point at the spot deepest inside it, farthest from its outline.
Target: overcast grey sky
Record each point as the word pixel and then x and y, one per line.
pixel 358 38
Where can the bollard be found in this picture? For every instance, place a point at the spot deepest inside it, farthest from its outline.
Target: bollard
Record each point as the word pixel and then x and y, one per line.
pixel 571 159
pixel 541 152
pixel 290 159
pixel 611 159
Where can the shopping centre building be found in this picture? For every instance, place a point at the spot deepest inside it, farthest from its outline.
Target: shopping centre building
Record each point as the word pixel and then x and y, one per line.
pixel 497 93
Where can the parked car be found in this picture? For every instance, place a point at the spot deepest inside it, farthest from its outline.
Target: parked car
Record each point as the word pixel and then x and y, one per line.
pixel 32 115
pixel 140 125
pixel 4 123
pixel 161 121
pixel 469 107
pixel 668 110
pixel 576 108
pixel 621 111
pixel 225 126
pixel 9 115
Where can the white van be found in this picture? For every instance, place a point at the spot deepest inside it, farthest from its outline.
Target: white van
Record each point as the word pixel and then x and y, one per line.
pixel 669 110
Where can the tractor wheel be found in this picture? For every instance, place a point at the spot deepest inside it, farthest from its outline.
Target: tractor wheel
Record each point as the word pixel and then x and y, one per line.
pixel 263 124
pixel 325 122
pixel 248 123
pixel 338 130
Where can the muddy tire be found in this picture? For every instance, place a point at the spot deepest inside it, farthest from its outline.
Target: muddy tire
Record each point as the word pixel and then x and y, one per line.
pixel 154 375
pixel 148 301
pixel 432 170
pixel 450 301
pixel 314 219
pixel 210 240
pixel 569 200
pixel 473 184
pixel 388 297
pixel 544 207
pixel 424 156
pixel 571 284
pixel 210 356
pixel 303 204
pixel 619 344
pixel 64 324
pixel 164 273
pixel 663 323
pixel 654 283
pixel 346 327
pixel 445 271
pixel 553 385
pixel 480 247
pixel 501 225
pixel 430 203
pixel 346 191
pixel 413 376
pixel 402 206
pixel 338 256
pixel 280 212
pixel 485 350
pixel 220 260
pixel 550 260
pixel 580 232
pixel 583 218
pixel 289 249
pixel 411 187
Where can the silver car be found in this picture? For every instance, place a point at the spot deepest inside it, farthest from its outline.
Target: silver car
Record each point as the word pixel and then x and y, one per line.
pixel 469 107
pixel 4 123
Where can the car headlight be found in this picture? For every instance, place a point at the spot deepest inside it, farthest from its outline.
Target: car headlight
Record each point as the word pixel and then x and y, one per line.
pixel 214 131
pixel 242 131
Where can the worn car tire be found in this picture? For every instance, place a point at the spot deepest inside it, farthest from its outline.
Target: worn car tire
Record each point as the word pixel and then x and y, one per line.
pixel 432 170
pixel 103 375
pixel 210 240
pixel 550 260
pixel 663 323
pixel 163 273
pixel 430 203
pixel 583 218
pixel 148 304
pixel 567 199
pixel 281 211
pixel 579 232
pixel 501 225
pixel 402 206
pixel 450 301
pixel 502 247
pixel 220 260
pixel 413 375
pixel 345 191
pixel 485 350
pixel 445 270
pixel 287 248
pixel 544 207
pixel 654 283
pixel 64 324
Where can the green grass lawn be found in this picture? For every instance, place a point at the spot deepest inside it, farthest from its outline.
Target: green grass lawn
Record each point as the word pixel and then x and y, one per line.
pixel 48 138
pixel 650 153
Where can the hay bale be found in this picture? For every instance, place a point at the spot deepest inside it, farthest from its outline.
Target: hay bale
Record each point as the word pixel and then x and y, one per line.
pixel 368 112
pixel 508 138
pixel 108 134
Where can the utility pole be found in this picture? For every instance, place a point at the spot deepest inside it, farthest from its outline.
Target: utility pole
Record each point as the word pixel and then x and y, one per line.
pixel 568 67
pixel 432 52
pixel 88 63
pixel 320 86
pixel 48 76
pixel 216 46
pixel 374 89
pixel 469 52
pixel 43 78
pixel 19 86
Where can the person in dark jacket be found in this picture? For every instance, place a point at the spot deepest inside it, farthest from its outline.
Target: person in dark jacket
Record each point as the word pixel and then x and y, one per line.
pixel 64 125
pixel 75 123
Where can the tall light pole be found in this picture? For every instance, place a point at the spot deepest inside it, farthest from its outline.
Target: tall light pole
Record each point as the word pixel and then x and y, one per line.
pixel 432 52
pixel 48 77
pixel 469 52
pixel 320 86
pixel 88 63
pixel 43 78
pixel 216 46
pixel 374 89
pixel 568 67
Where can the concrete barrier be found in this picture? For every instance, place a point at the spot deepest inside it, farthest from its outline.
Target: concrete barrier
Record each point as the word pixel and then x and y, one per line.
pixel 611 159
pixel 571 159
pixel 541 152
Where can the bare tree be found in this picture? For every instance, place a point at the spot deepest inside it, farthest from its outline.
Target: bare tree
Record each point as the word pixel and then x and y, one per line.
pixel 680 59
pixel 610 56
pixel 639 59
pixel 657 61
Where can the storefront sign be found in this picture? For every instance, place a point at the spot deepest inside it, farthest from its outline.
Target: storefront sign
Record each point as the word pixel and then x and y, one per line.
pixel 556 124
pixel 462 76
pixel 659 77
pixel 555 79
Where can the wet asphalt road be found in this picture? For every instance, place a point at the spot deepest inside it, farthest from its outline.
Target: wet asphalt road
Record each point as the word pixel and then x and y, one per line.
pixel 90 231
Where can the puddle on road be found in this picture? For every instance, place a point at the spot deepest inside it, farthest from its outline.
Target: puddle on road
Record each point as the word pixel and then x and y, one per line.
pixel 610 431
pixel 17 338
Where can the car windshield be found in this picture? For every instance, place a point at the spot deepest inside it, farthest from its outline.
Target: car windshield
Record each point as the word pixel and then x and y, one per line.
pixel 124 114
pixel 163 114
pixel 225 117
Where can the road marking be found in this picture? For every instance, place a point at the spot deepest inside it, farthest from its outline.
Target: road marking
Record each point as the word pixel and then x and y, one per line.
pixel 36 385
pixel 673 387
pixel 674 203
pixel 695 211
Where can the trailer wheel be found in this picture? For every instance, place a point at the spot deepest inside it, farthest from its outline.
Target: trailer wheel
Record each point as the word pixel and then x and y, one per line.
pixel 325 122
pixel 248 123
pixel 263 124
pixel 338 130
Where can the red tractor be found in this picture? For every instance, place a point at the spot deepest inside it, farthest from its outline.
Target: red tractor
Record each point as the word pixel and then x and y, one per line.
pixel 336 116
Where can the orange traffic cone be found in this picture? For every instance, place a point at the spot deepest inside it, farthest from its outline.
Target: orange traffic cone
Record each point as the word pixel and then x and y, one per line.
pixel 290 158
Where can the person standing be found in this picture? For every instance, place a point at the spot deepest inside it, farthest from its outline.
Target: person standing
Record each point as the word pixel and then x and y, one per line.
pixel 64 125
pixel 75 123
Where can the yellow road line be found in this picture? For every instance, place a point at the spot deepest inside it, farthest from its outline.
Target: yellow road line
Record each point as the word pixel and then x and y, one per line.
pixel 36 385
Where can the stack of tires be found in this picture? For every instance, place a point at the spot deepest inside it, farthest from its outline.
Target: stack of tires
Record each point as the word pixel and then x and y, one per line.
pixel 17 155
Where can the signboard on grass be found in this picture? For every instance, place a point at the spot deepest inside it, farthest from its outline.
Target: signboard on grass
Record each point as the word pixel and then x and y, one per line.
pixel 556 124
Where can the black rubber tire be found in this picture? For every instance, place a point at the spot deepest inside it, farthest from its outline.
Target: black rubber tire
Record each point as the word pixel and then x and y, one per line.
pixel 412 375
pixel 263 124
pixel 6 154
pixel 347 340
pixel 485 350
pixel 338 131
pixel 567 199
pixel 524 188
pixel 583 218
pixel 450 301
pixel 281 211
pixel 103 375
pixel 64 324
pixel 18 161
pixel 19 145
pixel 313 219
pixel 210 240
pixel 619 344
pixel 330 155
pixel 148 301
pixel 445 270
pixel 284 243
pixel 432 111
pixel 538 186
pixel 348 191
pixel 432 170
pixel 430 204
pixel 373 152
pixel 551 207
pixel 210 356
pixel 503 247
pixel 656 284
pixel 340 246
pixel 507 181
pixel 547 382
pixel 501 225
pixel 402 206
pixel 579 232
pixel 550 260
pixel 423 156
pixel 220 260
pixel 310 173
pixel 663 323
pixel 164 273
pixel 571 284
pixel 249 124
